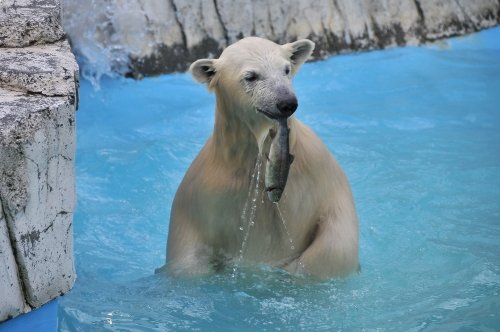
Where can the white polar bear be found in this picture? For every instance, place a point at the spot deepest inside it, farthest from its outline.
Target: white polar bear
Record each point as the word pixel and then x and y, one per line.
pixel 252 84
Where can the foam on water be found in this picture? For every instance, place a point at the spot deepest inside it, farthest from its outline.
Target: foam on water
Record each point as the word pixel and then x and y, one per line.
pixel 417 130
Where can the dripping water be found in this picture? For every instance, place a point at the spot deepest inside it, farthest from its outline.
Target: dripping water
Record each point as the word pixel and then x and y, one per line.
pixel 250 187
pixel 301 266
pixel 283 222
pixel 248 220
pixel 249 212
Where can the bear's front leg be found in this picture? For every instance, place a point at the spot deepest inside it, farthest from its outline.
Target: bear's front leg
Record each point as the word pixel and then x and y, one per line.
pixel 187 255
pixel 333 253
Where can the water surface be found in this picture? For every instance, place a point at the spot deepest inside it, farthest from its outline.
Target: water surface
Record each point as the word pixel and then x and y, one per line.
pixel 417 130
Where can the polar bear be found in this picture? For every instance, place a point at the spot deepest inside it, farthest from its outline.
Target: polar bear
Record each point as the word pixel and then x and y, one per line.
pixel 252 81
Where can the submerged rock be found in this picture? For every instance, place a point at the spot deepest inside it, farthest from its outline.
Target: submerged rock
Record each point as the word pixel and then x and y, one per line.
pixel 38 98
pixel 144 37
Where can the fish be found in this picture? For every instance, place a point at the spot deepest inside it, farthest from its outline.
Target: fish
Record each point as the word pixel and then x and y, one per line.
pixel 279 160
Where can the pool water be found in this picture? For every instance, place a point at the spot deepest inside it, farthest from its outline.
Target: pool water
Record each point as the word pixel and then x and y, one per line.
pixel 417 130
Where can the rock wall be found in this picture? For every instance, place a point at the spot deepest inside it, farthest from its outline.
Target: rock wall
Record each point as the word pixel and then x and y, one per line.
pixel 38 98
pixel 149 37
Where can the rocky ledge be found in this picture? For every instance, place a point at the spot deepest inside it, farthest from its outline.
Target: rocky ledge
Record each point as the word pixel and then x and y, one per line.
pixel 38 98
pixel 145 37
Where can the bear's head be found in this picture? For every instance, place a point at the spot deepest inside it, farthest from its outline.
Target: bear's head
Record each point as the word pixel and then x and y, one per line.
pixel 252 79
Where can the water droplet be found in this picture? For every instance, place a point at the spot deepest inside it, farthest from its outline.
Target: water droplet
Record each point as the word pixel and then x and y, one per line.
pixel 290 240
pixel 251 201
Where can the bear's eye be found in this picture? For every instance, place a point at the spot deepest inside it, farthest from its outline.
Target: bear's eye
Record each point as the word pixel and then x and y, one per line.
pixel 287 70
pixel 250 76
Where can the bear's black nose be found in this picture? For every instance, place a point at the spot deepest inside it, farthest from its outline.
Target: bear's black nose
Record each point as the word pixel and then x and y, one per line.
pixel 287 106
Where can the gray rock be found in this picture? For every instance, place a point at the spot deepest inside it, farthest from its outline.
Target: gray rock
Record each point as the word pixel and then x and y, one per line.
pixel 38 98
pixel 28 22
pixel 46 70
pixel 444 18
pixel 37 146
pixel 148 37
pixel 37 190
pixel 12 303
pixel 37 138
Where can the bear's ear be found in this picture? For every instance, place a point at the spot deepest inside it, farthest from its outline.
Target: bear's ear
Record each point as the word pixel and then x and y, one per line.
pixel 299 51
pixel 203 70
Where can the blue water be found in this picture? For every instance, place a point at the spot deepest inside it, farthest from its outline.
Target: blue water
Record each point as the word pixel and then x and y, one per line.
pixel 417 131
pixel 42 319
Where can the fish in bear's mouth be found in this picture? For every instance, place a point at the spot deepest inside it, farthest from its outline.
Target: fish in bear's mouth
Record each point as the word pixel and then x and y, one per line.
pixel 279 160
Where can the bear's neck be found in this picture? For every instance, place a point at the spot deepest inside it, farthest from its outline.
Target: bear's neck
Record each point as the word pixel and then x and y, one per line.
pixel 234 141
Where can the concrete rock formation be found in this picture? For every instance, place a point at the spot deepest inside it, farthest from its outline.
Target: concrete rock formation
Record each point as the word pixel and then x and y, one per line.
pixel 29 22
pixel 149 37
pixel 38 98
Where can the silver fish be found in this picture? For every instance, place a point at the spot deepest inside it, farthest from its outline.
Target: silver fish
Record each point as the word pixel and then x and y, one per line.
pixel 279 160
